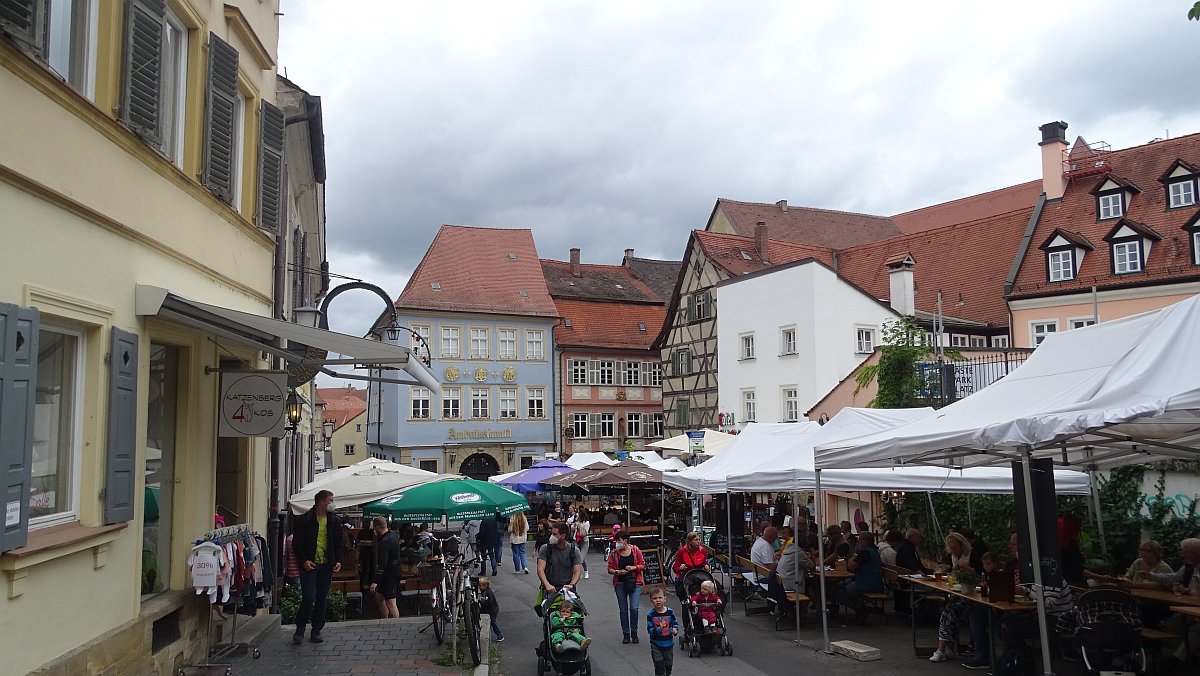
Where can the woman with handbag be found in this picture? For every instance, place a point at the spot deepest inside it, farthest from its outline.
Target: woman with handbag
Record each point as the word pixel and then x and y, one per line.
pixel 583 527
pixel 626 564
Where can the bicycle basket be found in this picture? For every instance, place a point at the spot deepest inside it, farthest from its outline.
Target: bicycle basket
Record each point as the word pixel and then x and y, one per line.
pixel 430 574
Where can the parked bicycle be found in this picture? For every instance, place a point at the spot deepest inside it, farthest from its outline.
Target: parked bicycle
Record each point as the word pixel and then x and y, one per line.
pixel 455 596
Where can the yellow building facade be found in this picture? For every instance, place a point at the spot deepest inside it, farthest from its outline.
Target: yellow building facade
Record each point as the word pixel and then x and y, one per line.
pixel 102 190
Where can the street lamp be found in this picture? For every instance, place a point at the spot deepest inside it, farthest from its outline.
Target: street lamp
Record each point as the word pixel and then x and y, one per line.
pixel 307 316
pixel 327 427
pixel 392 329
pixel 294 408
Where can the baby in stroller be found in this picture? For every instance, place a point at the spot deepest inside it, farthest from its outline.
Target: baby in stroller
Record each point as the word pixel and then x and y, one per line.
pixel 567 623
pixel 564 645
pixel 703 628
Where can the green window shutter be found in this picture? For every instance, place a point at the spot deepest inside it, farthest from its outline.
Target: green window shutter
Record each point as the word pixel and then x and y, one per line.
pixel 141 88
pixel 688 315
pixel 270 169
pixel 121 452
pixel 18 395
pixel 220 135
pixel 25 22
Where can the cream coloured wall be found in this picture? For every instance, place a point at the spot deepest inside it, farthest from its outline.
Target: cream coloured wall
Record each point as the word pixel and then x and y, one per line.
pixel 1111 304
pixel 346 434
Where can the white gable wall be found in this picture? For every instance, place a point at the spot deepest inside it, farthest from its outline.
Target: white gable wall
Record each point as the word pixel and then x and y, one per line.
pixel 826 313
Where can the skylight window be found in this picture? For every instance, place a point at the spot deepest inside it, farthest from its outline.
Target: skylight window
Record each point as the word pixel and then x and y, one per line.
pixel 436 286
pixel 745 256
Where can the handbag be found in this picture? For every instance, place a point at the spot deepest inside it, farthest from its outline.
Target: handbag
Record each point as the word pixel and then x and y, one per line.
pixel 629 583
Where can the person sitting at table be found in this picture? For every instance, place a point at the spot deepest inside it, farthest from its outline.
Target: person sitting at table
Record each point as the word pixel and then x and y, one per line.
pixel 868 576
pixel 978 617
pixel 792 568
pixel 849 536
pixel 955 608
pixel 978 547
pixel 763 554
pixel 1186 580
pixel 1149 560
pixel 1074 572
pixel 786 535
pixel 836 544
pixel 907 556
pixel 887 550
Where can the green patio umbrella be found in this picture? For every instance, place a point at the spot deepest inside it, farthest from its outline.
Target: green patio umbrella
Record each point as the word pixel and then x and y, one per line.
pixel 455 499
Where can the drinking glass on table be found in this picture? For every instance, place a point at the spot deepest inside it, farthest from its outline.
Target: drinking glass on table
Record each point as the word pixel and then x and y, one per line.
pixel 1178 589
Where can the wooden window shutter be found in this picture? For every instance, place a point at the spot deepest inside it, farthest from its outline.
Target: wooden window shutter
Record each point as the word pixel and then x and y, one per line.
pixel 141 86
pixel 594 426
pixel 121 451
pixel 18 395
pixel 688 314
pixel 25 22
pixel 270 169
pixel 219 133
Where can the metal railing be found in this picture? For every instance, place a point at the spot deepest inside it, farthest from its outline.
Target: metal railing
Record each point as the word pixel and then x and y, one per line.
pixel 951 380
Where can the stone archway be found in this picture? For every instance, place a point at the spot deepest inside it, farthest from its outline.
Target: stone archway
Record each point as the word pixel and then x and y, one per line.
pixel 479 466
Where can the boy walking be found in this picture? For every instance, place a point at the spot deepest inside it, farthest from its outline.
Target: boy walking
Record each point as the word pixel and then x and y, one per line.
pixel 489 605
pixel 662 628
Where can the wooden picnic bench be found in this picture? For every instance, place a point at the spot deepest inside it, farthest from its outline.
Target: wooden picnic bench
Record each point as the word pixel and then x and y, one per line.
pixel 599 534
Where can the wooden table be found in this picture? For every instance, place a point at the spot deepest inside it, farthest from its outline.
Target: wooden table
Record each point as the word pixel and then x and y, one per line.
pixel 832 579
pixel 1190 614
pixel 1165 596
pixel 994 607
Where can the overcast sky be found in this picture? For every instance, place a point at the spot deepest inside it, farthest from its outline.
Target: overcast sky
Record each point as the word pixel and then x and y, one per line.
pixel 615 124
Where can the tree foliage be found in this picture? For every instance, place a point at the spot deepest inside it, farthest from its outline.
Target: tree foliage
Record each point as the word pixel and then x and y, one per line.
pixel 898 373
pixel 1194 12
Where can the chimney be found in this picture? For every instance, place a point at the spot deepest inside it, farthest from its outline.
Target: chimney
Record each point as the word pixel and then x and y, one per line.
pixel 782 204
pixel 628 255
pixel 903 287
pixel 760 240
pixel 1054 142
pixel 575 263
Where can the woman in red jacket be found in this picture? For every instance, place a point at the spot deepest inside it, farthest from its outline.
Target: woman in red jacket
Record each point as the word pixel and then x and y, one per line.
pixel 691 556
pixel 626 564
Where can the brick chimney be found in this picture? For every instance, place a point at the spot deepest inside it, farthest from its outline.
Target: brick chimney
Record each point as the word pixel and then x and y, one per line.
pixel 628 255
pixel 903 286
pixel 575 272
pixel 760 240
pixel 1054 142
pixel 782 204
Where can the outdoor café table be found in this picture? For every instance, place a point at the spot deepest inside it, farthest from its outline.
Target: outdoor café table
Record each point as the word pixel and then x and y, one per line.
pixel 1191 613
pixel 1165 597
pixel 832 579
pixel 994 607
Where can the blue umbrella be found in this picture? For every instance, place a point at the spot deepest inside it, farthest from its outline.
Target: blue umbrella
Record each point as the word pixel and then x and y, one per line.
pixel 529 480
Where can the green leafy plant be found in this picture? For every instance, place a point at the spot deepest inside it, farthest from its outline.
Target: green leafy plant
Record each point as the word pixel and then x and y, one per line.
pixel 968 579
pixel 901 381
pixel 289 603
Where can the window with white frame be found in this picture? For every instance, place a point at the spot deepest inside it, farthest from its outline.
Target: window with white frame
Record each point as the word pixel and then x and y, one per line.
pixel 608 425
pixel 633 425
pixel 70 42
pixel 174 86
pixel 479 402
pixel 999 341
pixel 535 403
pixel 241 105
pixel 420 403
pixel 633 373
pixel 162 431
pixel 791 404
pixel 652 374
pixel 747 346
pixel 1182 193
pixel 1040 330
pixel 1127 257
pixel 681 362
pixel 1196 247
pixel 422 330
pixel 1111 205
pixel 348 449
pixel 579 425
pixel 959 340
pixel 749 406
pixel 479 343
pixel 1061 264
pixel 358 427
pixel 579 372
pixel 656 425
pixel 787 340
pixel 864 340
pixel 57 419
pixel 1080 323
pixel 508 402
pixel 451 403
pixel 701 305
pixel 451 342
pixel 978 341
pixel 535 344
pixel 508 343
pixel 603 372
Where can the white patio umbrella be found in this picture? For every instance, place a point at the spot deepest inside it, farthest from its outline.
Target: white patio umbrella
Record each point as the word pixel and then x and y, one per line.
pixel 360 483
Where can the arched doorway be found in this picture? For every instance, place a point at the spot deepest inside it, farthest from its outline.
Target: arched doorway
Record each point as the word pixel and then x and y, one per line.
pixel 479 466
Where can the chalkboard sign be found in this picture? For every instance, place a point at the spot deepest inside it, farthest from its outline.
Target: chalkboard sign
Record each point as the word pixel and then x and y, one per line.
pixel 653 573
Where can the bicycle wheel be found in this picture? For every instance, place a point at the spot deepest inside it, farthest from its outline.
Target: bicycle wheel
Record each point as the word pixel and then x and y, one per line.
pixel 471 620
pixel 437 606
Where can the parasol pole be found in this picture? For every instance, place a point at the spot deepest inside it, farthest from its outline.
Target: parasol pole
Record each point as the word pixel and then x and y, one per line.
pixel 729 539
pixel 796 560
pixel 817 504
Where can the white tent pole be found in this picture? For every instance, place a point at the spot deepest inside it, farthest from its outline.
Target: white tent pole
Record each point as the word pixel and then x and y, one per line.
pixel 729 541
pixel 1092 476
pixel 795 559
pixel 821 556
pixel 1035 555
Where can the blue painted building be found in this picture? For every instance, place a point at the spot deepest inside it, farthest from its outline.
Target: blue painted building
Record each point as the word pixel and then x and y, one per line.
pixel 479 301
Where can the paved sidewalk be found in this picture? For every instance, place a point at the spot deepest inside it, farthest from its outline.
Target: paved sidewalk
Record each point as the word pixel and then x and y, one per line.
pixel 360 647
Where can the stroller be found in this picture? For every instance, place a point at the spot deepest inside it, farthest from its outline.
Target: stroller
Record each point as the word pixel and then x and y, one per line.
pixel 1109 622
pixel 574 659
pixel 697 637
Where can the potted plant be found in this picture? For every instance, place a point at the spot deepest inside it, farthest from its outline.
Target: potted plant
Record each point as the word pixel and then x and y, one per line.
pixel 966 581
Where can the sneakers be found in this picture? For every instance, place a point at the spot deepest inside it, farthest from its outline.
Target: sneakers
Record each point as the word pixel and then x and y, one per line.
pixel 559 648
pixel 526 571
pixel 586 575
pixel 587 641
pixel 938 656
pixel 297 639
pixel 626 640
pixel 499 639
pixel 634 638
pixel 973 664
pixel 316 638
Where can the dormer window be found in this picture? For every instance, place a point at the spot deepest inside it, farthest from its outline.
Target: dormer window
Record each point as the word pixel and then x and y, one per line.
pixel 1130 242
pixel 1180 183
pixel 1064 254
pixel 1112 197
pixel 1192 228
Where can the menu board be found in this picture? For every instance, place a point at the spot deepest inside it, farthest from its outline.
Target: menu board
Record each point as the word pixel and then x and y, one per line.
pixel 653 573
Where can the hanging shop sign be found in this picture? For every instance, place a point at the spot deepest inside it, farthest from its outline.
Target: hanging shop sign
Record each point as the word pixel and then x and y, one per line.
pixel 252 404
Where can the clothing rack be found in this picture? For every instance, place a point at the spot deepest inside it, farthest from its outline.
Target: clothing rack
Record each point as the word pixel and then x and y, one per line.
pixel 223 536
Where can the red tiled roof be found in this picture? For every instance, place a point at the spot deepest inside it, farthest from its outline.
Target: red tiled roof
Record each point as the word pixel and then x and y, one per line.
pixel 342 404
pixel 483 270
pixel 596 282
pixel 659 275
pixel 607 325
pixel 806 225
pixel 967 262
pixel 1141 165
pixel 738 254
pixel 972 208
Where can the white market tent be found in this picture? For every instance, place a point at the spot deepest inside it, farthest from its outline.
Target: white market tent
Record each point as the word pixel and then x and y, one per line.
pixel 1120 392
pixel 668 465
pixel 756 442
pixel 581 460
pixel 791 468
pixel 360 483
pixel 714 442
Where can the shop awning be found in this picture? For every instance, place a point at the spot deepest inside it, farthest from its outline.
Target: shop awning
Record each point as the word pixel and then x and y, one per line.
pixel 263 333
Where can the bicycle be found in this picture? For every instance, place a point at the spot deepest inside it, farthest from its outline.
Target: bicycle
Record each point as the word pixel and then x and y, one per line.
pixel 455 596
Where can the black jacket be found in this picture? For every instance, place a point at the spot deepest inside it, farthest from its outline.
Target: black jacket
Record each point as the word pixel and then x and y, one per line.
pixel 488 604
pixel 489 534
pixel 907 557
pixel 389 558
pixel 304 538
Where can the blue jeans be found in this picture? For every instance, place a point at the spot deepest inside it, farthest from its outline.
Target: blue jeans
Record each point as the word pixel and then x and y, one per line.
pixel 496 627
pixel 977 619
pixel 518 552
pixel 627 605
pixel 314 592
pixel 497 552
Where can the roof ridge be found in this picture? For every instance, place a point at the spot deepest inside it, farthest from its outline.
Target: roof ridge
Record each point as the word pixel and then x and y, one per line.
pixel 750 238
pixel 803 208
pixel 967 197
pixel 908 236
pixel 484 227
pixel 1157 142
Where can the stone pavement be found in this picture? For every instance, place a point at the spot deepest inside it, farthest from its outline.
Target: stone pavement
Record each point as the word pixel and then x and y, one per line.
pixel 358 647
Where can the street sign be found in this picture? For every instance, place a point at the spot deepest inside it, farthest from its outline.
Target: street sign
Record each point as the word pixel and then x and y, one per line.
pixel 252 404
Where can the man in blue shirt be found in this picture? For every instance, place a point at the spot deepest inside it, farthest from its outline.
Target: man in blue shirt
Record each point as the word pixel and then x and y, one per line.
pixel 868 574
